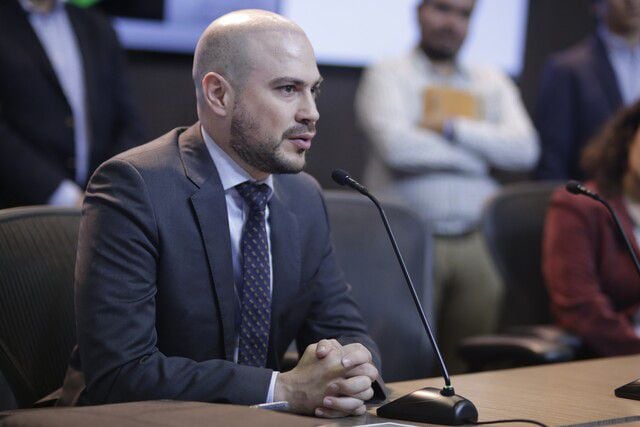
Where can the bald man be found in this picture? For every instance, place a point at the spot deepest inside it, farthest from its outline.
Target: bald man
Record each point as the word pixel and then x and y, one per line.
pixel 204 253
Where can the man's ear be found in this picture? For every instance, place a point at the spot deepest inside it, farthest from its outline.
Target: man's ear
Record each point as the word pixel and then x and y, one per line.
pixel 217 93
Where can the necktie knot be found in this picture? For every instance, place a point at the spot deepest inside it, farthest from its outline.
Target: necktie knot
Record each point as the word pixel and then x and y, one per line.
pixel 255 195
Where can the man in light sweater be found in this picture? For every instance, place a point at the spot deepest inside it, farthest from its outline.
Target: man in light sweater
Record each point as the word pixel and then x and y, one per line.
pixel 437 127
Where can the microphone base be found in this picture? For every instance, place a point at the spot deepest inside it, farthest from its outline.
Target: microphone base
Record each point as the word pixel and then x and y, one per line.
pixel 429 405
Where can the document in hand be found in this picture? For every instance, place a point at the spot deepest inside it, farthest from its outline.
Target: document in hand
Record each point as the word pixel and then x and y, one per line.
pixel 444 102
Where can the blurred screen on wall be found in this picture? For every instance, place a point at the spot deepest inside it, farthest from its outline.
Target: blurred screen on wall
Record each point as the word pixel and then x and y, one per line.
pixel 343 32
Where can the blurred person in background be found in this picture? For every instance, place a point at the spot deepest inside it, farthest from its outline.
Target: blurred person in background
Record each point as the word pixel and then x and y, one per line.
pixel 437 128
pixel 65 105
pixel 593 284
pixel 585 85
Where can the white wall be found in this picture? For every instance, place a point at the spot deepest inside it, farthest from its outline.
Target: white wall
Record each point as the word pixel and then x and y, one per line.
pixel 344 32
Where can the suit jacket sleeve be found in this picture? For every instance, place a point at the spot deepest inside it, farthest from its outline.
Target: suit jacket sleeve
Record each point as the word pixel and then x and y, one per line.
pixel 572 244
pixel 334 313
pixel 116 308
pixel 25 170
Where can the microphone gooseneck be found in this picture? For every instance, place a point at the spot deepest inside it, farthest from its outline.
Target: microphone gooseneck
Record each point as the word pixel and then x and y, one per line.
pixel 428 404
pixel 574 187
pixel 341 177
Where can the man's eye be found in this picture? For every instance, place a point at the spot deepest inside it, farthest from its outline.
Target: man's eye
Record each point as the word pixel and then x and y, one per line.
pixel 315 91
pixel 288 88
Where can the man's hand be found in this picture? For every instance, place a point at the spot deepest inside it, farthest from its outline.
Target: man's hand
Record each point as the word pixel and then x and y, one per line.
pixel 304 387
pixel 351 391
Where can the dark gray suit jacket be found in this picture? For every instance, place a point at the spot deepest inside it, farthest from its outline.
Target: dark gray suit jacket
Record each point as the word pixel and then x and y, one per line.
pixel 36 124
pixel 578 94
pixel 155 297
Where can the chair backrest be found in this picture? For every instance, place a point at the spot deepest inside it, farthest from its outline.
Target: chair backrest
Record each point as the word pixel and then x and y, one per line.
pixel 512 225
pixel 37 329
pixel 367 259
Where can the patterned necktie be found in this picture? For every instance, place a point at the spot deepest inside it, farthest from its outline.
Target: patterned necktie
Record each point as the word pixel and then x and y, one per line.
pixel 255 295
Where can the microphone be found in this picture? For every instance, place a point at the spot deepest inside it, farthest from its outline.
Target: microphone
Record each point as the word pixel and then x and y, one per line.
pixel 574 187
pixel 427 405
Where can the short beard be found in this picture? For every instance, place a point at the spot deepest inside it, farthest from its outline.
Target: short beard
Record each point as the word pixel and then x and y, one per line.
pixel 260 151
pixel 438 54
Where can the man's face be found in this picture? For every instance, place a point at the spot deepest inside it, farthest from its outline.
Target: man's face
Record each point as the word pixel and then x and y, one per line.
pixel 274 118
pixel 623 16
pixel 444 25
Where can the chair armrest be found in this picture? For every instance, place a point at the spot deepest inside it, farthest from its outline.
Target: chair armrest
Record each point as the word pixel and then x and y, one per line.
pixel 507 351
pixel 549 333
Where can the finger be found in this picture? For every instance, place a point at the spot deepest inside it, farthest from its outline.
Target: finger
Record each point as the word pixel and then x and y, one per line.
pixel 355 354
pixel 329 413
pixel 349 386
pixel 332 413
pixel 366 369
pixel 325 346
pixel 365 395
pixel 344 403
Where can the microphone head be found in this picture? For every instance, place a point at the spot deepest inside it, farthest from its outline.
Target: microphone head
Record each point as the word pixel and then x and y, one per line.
pixel 574 187
pixel 340 176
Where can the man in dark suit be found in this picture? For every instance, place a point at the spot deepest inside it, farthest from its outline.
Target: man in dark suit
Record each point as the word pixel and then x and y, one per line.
pixel 585 85
pixel 65 106
pixel 204 253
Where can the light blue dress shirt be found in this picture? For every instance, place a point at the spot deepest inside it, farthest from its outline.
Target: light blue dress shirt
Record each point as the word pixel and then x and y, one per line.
pixel 625 60
pixel 231 174
pixel 60 44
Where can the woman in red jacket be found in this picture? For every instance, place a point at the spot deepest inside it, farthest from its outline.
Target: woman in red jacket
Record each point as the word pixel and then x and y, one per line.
pixel 593 285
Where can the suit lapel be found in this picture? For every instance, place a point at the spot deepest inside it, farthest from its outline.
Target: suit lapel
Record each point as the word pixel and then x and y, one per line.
pixel 27 37
pixel 605 74
pixel 210 209
pixel 286 259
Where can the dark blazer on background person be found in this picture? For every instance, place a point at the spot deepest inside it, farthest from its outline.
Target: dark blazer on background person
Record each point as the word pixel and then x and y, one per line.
pixel 593 284
pixel 37 146
pixel 156 305
pixel 578 93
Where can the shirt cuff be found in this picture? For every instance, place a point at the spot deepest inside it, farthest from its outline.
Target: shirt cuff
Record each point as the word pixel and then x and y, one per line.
pixel 67 194
pixel 272 387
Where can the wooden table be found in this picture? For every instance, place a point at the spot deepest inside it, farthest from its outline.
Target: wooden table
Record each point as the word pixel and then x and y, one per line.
pixel 561 394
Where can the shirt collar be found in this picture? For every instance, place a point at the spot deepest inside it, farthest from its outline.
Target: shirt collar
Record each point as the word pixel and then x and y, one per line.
pixel 613 41
pixel 28 7
pixel 231 173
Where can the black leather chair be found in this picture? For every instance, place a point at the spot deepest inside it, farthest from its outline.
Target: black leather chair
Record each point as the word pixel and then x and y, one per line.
pixel 512 225
pixel 37 330
pixel 368 261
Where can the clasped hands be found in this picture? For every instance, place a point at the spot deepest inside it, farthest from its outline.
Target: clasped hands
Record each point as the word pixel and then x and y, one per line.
pixel 330 380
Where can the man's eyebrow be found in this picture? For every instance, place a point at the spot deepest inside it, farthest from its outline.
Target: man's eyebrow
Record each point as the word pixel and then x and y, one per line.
pixel 293 81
